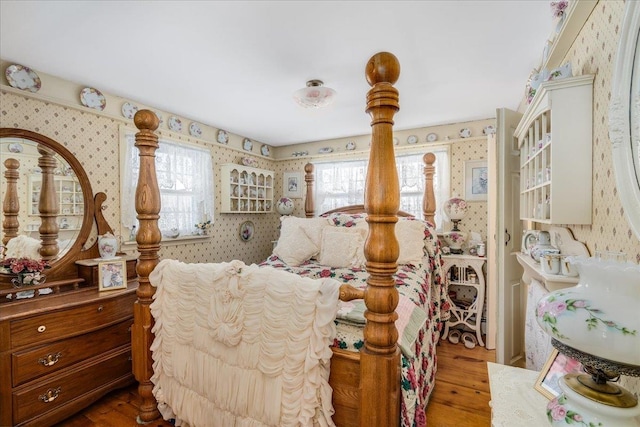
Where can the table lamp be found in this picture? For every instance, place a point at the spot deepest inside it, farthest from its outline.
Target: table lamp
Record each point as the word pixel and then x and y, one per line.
pixel 455 209
pixel 596 322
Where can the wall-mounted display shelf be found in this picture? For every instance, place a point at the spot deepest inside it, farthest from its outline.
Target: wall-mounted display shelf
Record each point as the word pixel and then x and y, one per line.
pixel 68 189
pixel 246 189
pixel 555 141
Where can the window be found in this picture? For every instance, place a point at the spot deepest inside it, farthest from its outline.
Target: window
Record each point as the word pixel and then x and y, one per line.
pixel 342 183
pixel 185 178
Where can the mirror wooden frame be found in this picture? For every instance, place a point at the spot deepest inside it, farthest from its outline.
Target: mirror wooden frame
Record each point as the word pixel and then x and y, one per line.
pixel 65 266
pixel 624 115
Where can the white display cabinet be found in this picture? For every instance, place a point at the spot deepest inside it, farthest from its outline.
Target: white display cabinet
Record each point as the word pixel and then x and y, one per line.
pixel 246 189
pixel 555 141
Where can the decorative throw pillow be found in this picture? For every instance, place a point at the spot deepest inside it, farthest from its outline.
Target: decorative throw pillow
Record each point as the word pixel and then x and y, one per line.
pixel 311 226
pixel 346 220
pixel 296 248
pixel 342 247
pixel 410 235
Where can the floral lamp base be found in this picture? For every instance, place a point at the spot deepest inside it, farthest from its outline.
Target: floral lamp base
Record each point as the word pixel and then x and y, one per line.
pixel 455 240
pixel 571 409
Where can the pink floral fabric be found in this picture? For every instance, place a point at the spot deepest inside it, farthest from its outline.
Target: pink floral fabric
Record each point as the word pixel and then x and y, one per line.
pixel 425 286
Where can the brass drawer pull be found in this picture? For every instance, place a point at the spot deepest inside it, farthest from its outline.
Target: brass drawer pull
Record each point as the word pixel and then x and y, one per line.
pixel 100 309
pixel 50 359
pixel 50 395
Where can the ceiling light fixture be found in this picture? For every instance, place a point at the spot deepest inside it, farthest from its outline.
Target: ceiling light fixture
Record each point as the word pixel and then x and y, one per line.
pixel 315 95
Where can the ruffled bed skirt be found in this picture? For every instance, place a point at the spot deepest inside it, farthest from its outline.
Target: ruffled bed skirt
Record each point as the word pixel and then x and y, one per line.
pixel 243 346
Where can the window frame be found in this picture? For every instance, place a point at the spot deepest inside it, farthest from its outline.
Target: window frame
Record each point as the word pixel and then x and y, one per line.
pixel 125 230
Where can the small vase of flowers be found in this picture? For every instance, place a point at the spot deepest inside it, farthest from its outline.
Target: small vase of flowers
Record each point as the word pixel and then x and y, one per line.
pixel 28 271
pixel 202 228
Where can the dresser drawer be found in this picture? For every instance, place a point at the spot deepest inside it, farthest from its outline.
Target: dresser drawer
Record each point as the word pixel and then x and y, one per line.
pixel 71 384
pixel 69 322
pixel 50 358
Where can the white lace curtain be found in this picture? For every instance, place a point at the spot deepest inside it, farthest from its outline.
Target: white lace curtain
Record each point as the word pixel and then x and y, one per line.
pixel 185 178
pixel 342 183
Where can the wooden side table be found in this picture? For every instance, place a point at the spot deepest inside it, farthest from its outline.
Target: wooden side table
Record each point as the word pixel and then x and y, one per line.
pixel 466 270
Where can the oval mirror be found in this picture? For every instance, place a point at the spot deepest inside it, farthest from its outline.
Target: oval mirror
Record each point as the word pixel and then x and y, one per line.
pixel 624 116
pixel 67 214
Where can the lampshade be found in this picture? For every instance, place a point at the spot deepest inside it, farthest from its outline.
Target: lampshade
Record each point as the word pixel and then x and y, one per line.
pixel 596 322
pixel 455 209
pixel 315 95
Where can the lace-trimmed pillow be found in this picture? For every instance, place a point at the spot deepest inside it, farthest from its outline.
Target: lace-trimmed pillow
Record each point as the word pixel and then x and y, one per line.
pixel 296 247
pixel 342 247
pixel 311 226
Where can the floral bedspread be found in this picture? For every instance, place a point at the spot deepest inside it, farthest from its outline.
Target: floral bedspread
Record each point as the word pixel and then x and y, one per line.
pixel 414 284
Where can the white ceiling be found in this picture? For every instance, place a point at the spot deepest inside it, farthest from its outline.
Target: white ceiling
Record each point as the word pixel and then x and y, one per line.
pixel 235 64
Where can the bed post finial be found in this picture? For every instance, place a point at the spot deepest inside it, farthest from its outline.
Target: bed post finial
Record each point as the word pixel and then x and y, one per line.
pixel 148 239
pixel 309 202
pixel 429 199
pixel 380 356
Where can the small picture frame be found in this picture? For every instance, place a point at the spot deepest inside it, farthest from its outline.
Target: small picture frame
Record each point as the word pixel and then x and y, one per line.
pixel 476 180
pixel 557 366
pixel 292 185
pixel 246 231
pixel 112 275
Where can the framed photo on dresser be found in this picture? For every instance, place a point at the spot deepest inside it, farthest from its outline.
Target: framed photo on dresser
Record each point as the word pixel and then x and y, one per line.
pixel 557 366
pixel 112 275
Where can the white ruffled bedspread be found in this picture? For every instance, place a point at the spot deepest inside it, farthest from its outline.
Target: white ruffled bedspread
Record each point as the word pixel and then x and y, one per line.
pixel 243 346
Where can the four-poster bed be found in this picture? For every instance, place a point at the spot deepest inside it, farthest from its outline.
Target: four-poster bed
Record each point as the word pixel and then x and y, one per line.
pixel 366 385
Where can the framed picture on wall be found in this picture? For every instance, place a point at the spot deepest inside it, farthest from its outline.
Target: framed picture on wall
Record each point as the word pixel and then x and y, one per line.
pixel 246 231
pixel 557 366
pixel 476 177
pixel 292 185
pixel 112 275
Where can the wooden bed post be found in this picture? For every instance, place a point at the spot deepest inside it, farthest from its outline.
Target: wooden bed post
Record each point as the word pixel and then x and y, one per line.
pixel 380 356
pixel 10 204
pixel 148 239
pixel 48 205
pixel 309 177
pixel 429 199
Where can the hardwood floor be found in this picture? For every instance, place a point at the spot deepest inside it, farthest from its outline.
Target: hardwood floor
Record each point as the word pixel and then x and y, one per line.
pixel 460 398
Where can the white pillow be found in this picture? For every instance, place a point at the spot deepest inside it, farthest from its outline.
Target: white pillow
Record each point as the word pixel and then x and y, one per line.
pixel 296 248
pixel 311 226
pixel 342 247
pixel 410 235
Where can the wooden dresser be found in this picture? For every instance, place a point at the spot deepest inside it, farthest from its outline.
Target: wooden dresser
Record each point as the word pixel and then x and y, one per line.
pixel 62 352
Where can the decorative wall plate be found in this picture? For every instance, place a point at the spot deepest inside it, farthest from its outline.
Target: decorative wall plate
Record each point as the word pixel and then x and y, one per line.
pixel 194 130
pixel 129 110
pixel 22 77
pixel 15 148
pixel 175 124
pixel 350 146
pixel 465 133
pixel 412 139
pixel 223 138
pixel 92 98
pixel 159 115
pixel 246 231
pixel 488 130
pixel 396 141
pixel 432 137
pixel 264 150
pixel 247 144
